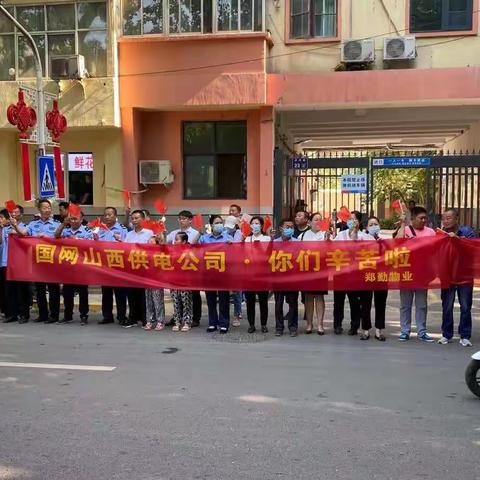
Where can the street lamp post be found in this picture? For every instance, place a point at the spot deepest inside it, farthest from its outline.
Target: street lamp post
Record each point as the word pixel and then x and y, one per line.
pixel 39 83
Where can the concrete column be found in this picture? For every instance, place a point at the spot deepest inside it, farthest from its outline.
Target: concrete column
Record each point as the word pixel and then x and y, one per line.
pixel 266 160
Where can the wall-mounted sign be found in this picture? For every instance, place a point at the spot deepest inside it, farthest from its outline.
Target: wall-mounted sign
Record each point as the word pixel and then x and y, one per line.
pixel 80 162
pixel 354 183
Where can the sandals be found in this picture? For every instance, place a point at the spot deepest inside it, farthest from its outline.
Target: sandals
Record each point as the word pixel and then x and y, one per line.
pixel 308 331
pixel 381 337
pixel 321 332
pixel 364 336
pixel 176 328
pixel 186 328
pixel 148 326
pixel 160 326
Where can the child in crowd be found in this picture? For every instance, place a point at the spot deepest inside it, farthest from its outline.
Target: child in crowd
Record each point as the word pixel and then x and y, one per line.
pixel 182 299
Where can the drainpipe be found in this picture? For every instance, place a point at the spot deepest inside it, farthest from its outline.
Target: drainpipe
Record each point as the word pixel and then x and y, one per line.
pixel 39 83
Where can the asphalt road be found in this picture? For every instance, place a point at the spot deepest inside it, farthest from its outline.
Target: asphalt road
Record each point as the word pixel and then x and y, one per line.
pixel 201 406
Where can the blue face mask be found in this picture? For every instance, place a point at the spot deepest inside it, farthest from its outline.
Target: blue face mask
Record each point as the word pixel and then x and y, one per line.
pixel 350 224
pixel 288 232
pixel 256 227
pixel 374 230
pixel 218 228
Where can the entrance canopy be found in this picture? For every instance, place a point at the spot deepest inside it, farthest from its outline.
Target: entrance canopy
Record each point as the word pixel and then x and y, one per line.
pixel 396 128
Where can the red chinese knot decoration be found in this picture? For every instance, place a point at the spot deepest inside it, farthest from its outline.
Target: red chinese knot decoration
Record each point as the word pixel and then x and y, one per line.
pixel 23 117
pixel 57 124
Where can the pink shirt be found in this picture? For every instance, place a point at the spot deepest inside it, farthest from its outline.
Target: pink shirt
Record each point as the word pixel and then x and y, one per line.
pixel 426 232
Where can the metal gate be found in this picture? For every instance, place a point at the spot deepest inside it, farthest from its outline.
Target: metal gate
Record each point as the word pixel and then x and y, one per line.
pixel 313 182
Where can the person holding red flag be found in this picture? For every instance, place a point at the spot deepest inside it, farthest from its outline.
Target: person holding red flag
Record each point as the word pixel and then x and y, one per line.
pixel 72 228
pixel 45 226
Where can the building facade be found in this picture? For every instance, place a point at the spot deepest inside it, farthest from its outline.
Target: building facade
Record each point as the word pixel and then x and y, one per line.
pixel 215 86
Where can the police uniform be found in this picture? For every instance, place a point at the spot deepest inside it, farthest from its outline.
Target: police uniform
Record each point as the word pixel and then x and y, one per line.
pixel 50 312
pixel 108 292
pixel 82 233
pixel 18 294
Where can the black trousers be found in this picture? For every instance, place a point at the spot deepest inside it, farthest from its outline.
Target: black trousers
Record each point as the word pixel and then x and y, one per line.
pixel 380 297
pixel 3 298
pixel 68 296
pixel 197 306
pixel 53 300
pixel 263 304
pixel 292 316
pixel 136 304
pixel 19 295
pixel 120 300
pixel 339 307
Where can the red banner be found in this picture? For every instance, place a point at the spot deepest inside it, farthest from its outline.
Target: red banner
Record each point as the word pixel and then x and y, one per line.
pixel 309 266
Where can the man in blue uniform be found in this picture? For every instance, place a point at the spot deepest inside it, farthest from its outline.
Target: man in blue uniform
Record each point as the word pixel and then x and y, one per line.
pixel 44 227
pixel 17 293
pixel 72 228
pixel 114 227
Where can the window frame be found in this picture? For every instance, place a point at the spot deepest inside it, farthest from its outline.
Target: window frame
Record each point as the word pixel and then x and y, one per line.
pixel 444 33
pixel 214 154
pixel 215 30
pixel 311 23
pixel 45 33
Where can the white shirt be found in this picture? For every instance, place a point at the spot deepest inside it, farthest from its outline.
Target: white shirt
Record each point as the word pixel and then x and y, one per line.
pixel 311 236
pixel 193 235
pixel 143 236
pixel 344 235
pixel 259 238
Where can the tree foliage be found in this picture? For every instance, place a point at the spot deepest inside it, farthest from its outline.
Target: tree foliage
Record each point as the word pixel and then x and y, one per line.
pixel 400 183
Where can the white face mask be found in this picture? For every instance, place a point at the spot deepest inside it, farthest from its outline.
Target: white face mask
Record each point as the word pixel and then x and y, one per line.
pixel 374 230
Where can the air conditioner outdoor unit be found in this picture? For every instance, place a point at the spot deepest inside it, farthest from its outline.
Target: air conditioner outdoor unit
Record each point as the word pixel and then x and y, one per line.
pixel 65 67
pixel 156 171
pixel 399 48
pixel 354 51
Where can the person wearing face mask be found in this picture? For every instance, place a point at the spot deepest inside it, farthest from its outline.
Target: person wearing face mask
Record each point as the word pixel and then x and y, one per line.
pixel 291 298
pixel 314 301
pixel 257 235
pixel 380 296
pixel 355 298
pixel 217 319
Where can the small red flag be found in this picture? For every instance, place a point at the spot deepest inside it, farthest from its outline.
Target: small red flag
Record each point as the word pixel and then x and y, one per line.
pixel 74 210
pixel 127 197
pixel 397 204
pixel 197 222
pixel 441 233
pixel 324 224
pixel 155 227
pixel 10 205
pixel 344 214
pixel 245 228
pixel 160 207
pixel 267 223
pixel 97 223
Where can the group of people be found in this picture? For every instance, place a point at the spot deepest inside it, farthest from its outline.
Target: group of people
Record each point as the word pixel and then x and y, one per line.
pixel 146 306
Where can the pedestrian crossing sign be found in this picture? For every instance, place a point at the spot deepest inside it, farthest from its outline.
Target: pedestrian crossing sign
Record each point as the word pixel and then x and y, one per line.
pixel 46 177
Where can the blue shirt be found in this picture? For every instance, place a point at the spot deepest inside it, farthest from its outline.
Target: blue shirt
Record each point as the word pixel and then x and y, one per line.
pixel 108 235
pixel 5 235
pixel 38 227
pixel 466 232
pixel 191 233
pixel 82 233
pixel 210 238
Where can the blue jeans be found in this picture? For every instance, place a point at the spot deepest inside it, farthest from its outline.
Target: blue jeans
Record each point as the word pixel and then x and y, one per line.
pixel 221 317
pixel 237 303
pixel 465 295
pixel 406 304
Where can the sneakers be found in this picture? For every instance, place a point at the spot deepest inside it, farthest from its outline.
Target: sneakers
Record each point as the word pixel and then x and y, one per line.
pixel 236 320
pixel 404 337
pixel 129 324
pixel 83 320
pixel 426 338
pixel 444 341
pixel 148 326
pixel 465 342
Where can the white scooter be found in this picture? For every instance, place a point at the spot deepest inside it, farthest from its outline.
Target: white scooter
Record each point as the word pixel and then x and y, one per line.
pixel 472 374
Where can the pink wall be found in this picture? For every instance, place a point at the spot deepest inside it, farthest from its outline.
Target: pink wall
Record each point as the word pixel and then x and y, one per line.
pixel 382 87
pixel 160 138
pixel 155 73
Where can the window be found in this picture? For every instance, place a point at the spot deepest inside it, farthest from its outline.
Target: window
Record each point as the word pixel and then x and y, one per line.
pixel 215 160
pixel 80 177
pixel 57 29
pixel 313 18
pixel 142 17
pixel 440 15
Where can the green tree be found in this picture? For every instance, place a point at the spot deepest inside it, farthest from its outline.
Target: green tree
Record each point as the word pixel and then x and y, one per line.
pixel 400 183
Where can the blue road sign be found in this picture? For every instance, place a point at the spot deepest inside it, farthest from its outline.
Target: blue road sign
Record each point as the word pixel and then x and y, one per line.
pixel 300 163
pixel 393 162
pixel 46 177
